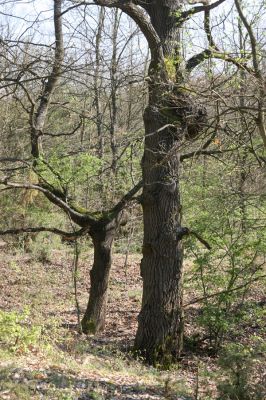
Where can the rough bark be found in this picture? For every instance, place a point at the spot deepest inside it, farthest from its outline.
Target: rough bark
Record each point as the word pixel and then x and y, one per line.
pixel 163 15
pixel 103 233
pixel 159 334
pixel 94 318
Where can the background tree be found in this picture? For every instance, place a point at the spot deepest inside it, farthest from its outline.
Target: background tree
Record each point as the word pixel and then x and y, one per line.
pixel 67 175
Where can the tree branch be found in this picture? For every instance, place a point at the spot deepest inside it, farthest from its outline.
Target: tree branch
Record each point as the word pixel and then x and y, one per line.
pixel 213 51
pixel 184 231
pixel 184 16
pixel 197 59
pixel 67 235
pixel 260 119
pixel 81 219
pixel 64 133
pixel 38 117
pixel 138 15
pixel 126 198
pixel 202 152
pixel 200 299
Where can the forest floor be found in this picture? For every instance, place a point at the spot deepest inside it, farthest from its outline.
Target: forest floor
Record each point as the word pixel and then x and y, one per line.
pixel 44 357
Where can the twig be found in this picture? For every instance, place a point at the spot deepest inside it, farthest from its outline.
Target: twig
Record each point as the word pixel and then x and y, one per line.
pixel 200 299
pixel 67 235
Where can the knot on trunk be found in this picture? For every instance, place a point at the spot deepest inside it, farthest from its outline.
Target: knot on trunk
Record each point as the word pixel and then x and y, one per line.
pixel 182 110
pixel 184 231
pixel 181 232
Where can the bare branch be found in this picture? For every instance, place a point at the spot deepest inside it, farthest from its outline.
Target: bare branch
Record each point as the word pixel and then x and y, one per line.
pixel 184 16
pixel 81 219
pixel 201 152
pixel 184 231
pixel 255 59
pixel 67 235
pixel 64 133
pixel 204 298
pixel 197 59
pixel 38 117
pixel 126 198
pixel 138 15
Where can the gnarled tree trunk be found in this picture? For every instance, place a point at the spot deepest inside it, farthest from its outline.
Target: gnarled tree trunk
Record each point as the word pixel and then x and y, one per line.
pixel 94 318
pixel 159 334
pixel 103 234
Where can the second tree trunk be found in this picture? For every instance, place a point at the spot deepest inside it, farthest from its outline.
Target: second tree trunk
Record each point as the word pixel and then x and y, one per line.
pixel 94 317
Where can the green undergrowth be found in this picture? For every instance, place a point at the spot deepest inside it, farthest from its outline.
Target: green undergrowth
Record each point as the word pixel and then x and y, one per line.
pixel 21 335
pixel 43 355
pixel 48 360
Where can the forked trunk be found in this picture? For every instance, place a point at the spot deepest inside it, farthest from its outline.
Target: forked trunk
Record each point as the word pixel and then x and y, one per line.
pixel 103 233
pixel 94 318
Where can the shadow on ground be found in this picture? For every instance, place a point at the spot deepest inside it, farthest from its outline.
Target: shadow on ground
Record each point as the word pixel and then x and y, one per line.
pixel 22 384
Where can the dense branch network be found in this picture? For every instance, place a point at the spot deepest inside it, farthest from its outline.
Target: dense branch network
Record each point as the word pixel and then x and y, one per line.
pixel 37 119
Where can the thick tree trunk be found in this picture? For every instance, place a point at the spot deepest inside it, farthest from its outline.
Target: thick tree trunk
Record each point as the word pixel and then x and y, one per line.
pixel 94 317
pixel 159 335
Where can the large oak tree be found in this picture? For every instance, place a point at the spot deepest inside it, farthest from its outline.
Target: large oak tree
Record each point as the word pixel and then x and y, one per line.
pixel 170 118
